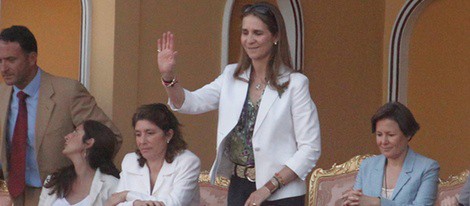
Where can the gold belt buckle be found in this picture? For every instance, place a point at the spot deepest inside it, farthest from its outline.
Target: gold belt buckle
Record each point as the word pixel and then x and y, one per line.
pixel 250 174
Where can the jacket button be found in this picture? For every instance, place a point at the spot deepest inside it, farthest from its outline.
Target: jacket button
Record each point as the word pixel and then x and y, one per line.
pixel 257 149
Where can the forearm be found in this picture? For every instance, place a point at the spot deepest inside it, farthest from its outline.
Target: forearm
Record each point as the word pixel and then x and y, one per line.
pixel 280 179
pixel 174 90
pixel 286 175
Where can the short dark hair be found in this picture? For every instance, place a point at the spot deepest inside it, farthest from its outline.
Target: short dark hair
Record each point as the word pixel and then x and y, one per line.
pixel 399 113
pixel 22 35
pixel 160 115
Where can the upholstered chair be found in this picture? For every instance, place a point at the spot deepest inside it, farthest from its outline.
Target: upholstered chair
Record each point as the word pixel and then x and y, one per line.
pixel 213 195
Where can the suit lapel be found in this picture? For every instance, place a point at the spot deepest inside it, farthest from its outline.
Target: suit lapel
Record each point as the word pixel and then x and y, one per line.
pixel 5 96
pixel 166 170
pixel 377 177
pixel 404 174
pixel 45 108
pixel 96 186
pixel 238 93
pixel 269 97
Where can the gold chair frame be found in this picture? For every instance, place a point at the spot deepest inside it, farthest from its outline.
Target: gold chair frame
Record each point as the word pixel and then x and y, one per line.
pixel 454 179
pixel 350 166
pixel 3 186
pixel 204 177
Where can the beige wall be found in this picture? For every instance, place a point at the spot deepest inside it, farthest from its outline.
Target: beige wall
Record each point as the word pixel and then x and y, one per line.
pixel 56 24
pixel 126 66
pixel 198 41
pixel 346 54
pixel 343 60
pixel 102 54
pixel 439 83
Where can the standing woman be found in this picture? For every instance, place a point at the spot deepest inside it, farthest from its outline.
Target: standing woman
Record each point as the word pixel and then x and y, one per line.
pixel 268 136
pixel 92 177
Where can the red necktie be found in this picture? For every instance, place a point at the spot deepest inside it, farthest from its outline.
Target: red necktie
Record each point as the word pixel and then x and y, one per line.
pixel 16 177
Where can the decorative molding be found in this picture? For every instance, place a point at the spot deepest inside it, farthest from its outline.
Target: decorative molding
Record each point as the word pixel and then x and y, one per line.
pixel 454 179
pixel 85 47
pixel 399 45
pixel 291 11
pixel 219 181
pixel 348 167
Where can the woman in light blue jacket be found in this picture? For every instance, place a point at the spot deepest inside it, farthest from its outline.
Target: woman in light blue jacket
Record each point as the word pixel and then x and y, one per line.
pixel 399 176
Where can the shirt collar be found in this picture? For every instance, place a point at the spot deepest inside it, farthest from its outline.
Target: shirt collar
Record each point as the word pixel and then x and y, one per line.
pixel 33 86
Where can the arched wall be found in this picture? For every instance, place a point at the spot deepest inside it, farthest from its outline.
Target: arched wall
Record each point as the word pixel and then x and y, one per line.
pixel 428 71
pixel 399 46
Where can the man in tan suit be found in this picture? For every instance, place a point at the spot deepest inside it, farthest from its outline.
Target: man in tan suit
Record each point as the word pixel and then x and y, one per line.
pixel 55 107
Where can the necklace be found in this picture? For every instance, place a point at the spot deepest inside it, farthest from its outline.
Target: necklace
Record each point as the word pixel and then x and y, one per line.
pixel 385 182
pixel 258 86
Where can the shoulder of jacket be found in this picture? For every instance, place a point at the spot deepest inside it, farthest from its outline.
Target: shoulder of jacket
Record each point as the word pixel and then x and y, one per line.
pixel 109 179
pixel 371 160
pixel 130 158
pixel 423 160
pixel 186 157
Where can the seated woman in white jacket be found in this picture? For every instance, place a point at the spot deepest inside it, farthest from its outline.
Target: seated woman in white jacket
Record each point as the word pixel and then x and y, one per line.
pixel 161 171
pixel 92 177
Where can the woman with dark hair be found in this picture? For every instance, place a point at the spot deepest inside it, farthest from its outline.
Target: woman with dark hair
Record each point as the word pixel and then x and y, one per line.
pixel 399 176
pixel 264 107
pixel 92 177
pixel 162 172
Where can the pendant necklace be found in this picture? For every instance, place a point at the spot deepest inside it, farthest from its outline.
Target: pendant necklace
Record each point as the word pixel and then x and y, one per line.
pixel 385 182
pixel 258 86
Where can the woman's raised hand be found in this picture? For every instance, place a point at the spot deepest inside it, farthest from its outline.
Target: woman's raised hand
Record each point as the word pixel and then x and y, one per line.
pixel 166 55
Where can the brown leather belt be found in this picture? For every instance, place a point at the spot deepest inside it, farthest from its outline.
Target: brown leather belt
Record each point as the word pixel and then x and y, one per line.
pixel 245 172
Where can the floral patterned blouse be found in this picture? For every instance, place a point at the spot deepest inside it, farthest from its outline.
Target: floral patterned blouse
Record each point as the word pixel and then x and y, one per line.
pixel 239 147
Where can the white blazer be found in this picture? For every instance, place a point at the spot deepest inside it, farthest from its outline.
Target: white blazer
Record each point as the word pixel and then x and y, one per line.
pixel 176 185
pixel 286 133
pixel 102 187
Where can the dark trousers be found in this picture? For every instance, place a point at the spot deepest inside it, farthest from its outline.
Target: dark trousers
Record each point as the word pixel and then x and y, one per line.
pixel 240 189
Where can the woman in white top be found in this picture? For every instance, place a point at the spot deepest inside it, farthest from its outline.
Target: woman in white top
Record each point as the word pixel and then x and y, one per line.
pixel 92 177
pixel 264 107
pixel 162 172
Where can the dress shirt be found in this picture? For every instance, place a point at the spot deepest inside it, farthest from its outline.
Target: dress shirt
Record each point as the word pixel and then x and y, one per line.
pixel 32 90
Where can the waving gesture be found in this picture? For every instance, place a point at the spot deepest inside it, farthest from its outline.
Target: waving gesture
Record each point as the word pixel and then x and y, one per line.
pixel 166 55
